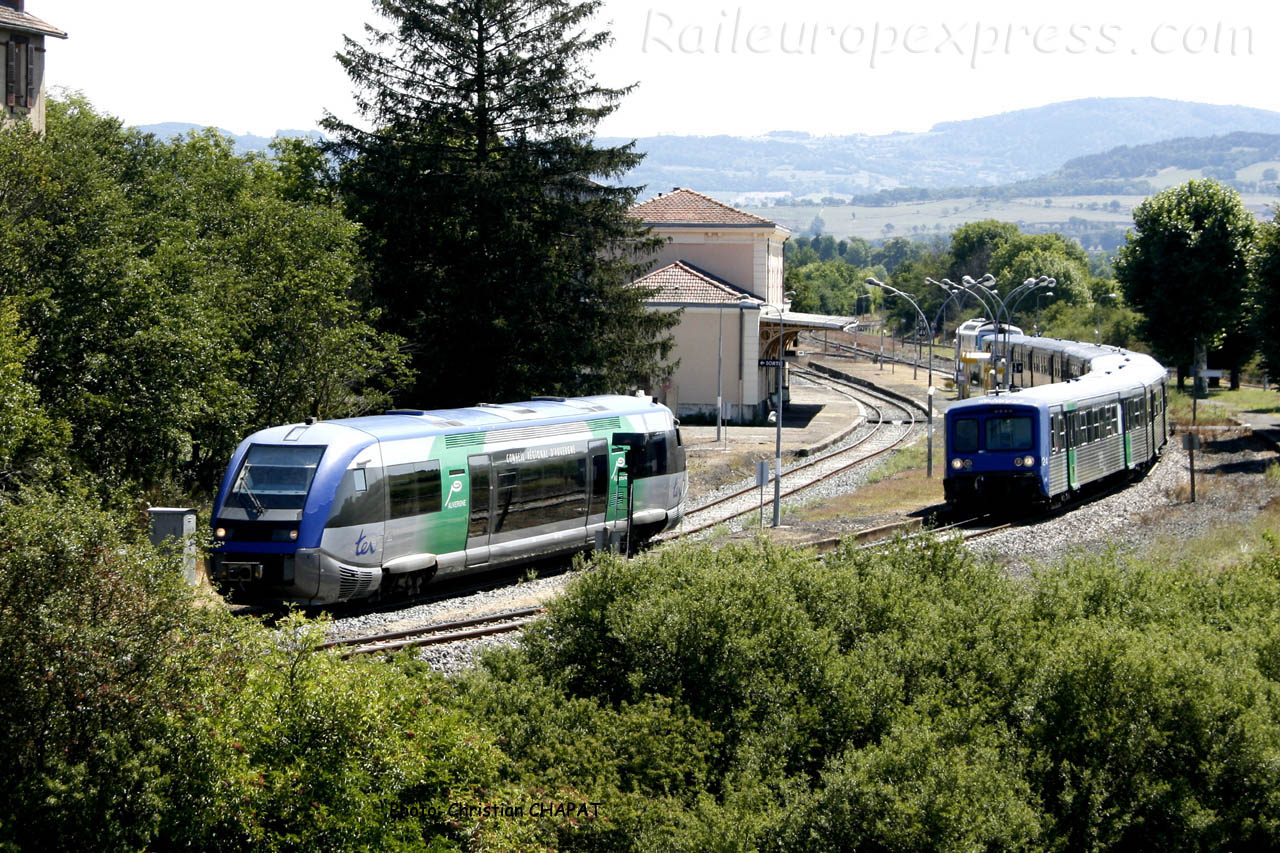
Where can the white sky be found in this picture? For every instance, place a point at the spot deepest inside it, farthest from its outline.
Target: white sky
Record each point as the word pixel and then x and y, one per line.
pixel 703 67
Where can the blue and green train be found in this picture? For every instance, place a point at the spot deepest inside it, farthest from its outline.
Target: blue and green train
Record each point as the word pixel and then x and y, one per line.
pixel 318 513
pixel 1077 414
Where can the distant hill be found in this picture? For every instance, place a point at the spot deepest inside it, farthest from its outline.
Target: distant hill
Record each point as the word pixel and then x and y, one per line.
pixel 1223 157
pixel 999 149
pixel 243 142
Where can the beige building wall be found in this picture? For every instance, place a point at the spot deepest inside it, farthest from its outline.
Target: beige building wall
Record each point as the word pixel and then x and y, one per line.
pixel 28 67
pixel 693 385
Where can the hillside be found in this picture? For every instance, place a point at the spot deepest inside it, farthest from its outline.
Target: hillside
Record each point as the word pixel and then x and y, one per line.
pixel 988 151
pixel 243 142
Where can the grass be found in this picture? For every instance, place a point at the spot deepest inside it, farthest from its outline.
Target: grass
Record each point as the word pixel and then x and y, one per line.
pixel 898 485
pixel 1221 404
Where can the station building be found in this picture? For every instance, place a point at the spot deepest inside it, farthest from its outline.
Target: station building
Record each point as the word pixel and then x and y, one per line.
pixel 23 36
pixel 722 268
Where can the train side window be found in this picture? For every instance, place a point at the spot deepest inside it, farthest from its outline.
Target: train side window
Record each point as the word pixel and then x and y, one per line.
pixel 539 491
pixel 414 488
pixel 358 500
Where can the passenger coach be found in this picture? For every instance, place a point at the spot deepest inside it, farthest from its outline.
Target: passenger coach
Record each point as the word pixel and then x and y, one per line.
pixel 1048 438
pixel 323 512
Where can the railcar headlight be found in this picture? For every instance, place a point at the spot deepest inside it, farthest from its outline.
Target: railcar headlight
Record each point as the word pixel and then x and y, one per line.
pixel 968 463
pixel 956 464
pixel 1029 461
pixel 293 536
pixel 1017 462
pixel 220 533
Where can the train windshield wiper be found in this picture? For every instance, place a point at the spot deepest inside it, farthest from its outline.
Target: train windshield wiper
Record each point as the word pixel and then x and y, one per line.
pixel 247 497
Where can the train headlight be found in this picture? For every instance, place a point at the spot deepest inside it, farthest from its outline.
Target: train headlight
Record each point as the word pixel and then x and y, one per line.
pixel 1029 461
pixel 968 463
pixel 293 536
pixel 1017 462
pixel 956 464
pixel 220 533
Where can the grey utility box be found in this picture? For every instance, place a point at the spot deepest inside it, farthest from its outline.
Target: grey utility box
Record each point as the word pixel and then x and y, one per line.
pixel 176 523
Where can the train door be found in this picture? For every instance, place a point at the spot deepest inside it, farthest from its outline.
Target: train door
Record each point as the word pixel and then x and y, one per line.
pixel 598 482
pixel 481 503
pixel 1073 422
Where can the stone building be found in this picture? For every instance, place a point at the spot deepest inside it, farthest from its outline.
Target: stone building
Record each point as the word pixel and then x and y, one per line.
pixel 23 36
pixel 723 269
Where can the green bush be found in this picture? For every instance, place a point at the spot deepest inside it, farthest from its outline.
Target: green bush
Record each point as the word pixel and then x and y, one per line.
pixel 137 715
pixel 907 699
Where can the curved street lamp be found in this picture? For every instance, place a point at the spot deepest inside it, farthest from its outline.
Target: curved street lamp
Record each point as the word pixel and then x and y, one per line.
pixel 871 282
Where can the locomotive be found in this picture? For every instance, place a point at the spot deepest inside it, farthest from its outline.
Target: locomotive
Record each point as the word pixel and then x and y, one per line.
pixel 1074 414
pixel 318 513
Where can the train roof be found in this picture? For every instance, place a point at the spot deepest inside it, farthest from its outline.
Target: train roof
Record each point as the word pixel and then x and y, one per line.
pixel 1111 370
pixel 412 423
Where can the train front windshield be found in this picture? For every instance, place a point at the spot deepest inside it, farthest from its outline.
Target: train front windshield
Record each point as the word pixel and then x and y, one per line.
pixel 274 477
pixel 1010 433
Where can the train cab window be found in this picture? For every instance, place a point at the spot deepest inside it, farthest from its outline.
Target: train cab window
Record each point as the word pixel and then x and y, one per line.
pixel 965 436
pixel 414 488
pixel 1008 433
pixel 274 477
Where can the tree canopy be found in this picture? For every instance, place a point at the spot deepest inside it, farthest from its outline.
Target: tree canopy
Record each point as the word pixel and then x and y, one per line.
pixel 1185 268
pixel 175 297
pixel 493 248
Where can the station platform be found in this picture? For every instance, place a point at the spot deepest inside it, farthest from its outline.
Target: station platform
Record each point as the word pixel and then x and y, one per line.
pixel 814 419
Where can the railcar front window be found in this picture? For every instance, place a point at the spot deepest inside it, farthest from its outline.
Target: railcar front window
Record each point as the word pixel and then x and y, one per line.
pixel 275 477
pixel 1012 433
pixel 966 436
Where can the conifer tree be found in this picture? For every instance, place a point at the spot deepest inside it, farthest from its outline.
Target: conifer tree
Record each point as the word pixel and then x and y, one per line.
pixel 495 246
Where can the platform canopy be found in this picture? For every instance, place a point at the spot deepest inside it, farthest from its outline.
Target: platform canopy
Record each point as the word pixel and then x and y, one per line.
pixel 797 320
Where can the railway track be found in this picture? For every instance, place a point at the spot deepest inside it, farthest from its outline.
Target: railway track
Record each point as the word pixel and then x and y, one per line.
pixel 891 423
pixel 436 633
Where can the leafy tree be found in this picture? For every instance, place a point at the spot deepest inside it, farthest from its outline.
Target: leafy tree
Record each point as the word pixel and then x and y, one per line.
pixel 1033 255
pixel 1267 277
pixel 895 251
pixel 827 287
pixel 973 243
pixel 30 441
pixel 857 253
pixel 1185 268
pixel 492 249
pixel 177 296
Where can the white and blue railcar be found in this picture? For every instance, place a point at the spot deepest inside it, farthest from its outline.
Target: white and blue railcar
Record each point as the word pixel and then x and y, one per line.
pixel 317 513
pixel 1077 414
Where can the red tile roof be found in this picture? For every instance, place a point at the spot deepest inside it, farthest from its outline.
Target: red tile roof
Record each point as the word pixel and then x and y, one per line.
pixel 12 19
pixel 682 282
pixel 686 207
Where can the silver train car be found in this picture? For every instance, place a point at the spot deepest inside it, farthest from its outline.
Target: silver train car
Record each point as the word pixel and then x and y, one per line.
pixel 1075 414
pixel 317 513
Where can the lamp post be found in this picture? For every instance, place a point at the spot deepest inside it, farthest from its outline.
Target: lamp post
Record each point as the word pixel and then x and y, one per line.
pixel 1031 285
pixel 871 282
pixel 777 456
pixel 1021 292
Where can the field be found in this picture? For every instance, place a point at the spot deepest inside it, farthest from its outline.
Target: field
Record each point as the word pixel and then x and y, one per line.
pixel 922 219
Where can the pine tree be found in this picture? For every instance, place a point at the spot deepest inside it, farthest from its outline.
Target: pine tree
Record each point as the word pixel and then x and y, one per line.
pixel 494 247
